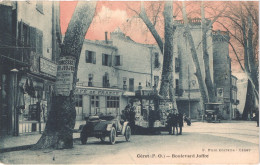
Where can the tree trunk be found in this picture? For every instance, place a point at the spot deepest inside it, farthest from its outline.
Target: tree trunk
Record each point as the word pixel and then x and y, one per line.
pixel 167 82
pixel 250 103
pixel 202 85
pixel 251 59
pixel 166 88
pixel 208 80
pixel 58 132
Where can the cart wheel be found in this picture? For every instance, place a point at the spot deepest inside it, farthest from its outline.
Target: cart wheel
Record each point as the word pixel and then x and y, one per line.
pixel 83 137
pixel 102 138
pixel 112 137
pixel 127 133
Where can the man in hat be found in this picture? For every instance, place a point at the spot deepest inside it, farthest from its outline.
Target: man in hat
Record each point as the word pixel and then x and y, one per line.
pixel 180 122
pixel 174 121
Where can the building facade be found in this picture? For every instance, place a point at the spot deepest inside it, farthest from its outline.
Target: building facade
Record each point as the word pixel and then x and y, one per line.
pixel 110 72
pixel 222 72
pixel 30 37
pixel 234 99
pixel 188 95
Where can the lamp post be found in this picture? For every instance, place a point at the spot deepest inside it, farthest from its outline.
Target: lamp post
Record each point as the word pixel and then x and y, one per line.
pixel 189 88
pixel 16 117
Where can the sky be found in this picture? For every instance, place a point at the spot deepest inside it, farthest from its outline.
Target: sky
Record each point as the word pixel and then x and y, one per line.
pixel 112 14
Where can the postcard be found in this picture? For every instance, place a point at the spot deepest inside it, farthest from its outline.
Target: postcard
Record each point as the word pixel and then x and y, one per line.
pixel 129 82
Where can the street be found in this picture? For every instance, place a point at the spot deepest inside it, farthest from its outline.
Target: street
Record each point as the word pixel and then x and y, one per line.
pixel 231 142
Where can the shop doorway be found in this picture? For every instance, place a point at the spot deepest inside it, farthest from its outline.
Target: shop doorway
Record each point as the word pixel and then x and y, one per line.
pixel 94 105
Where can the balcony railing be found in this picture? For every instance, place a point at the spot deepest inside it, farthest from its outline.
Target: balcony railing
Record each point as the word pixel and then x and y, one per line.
pixel 19 55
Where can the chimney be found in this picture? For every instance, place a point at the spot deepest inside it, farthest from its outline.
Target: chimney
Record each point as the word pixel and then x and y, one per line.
pixel 106 37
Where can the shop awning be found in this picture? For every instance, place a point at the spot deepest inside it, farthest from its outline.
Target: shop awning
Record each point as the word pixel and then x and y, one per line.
pixel 127 93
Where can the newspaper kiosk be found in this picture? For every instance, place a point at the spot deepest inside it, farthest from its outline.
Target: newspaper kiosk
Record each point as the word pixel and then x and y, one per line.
pixel 151 111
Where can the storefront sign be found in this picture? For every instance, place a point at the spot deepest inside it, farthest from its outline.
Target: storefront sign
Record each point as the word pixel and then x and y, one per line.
pixel 84 91
pixel 48 67
pixel 64 79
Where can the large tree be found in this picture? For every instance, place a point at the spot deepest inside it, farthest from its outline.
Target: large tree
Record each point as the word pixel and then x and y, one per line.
pixel 198 73
pixel 241 21
pixel 206 27
pixel 166 47
pixel 58 132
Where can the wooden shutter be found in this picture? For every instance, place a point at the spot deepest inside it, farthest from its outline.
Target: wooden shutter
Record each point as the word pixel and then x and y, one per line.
pixel 114 61
pixel 20 25
pixel 86 56
pixel 33 39
pixel 109 60
pixel 103 59
pixel 39 37
pixel 94 57
pixel 121 60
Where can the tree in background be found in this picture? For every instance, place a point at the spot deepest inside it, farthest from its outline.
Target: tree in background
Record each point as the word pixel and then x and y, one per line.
pixel 166 47
pixel 241 21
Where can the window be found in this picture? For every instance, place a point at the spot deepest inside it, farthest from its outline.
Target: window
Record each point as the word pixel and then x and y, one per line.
pixel 117 61
pixel 156 60
pixel 131 85
pixel 90 57
pixel 106 83
pixel 106 60
pixel 177 65
pixel 95 101
pixel 177 88
pixel 78 99
pixel 112 102
pixel 124 83
pixel 90 80
pixel 39 6
pixel 24 34
pixel 156 81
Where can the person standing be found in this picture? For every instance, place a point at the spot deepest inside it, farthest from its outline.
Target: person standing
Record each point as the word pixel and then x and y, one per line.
pixel 169 122
pixel 257 118
pixel 180 122
pixel 174 123
pixel 132 118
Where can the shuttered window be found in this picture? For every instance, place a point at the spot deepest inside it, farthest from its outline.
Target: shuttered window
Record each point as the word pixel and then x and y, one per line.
pixel 106 60
pixel 118 60
pixel 90 57
pixel 33 38
pixel 39 37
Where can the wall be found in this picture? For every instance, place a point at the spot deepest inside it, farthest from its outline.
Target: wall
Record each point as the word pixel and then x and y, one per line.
pixel 98 70
pixel 28 13
pixel 222 65
pixel 138 60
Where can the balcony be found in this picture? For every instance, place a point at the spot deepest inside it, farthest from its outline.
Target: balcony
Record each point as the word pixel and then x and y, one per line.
pixel 98 85
pixel 21 56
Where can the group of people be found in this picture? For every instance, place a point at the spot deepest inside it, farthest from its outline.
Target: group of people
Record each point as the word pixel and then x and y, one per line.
pixel 175 122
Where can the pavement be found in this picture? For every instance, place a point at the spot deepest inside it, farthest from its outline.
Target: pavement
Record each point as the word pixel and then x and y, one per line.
pixel 235 142
pixel 26 141
pixel 22 142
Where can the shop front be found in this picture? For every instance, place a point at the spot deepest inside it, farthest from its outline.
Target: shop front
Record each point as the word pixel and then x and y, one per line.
pixel 99 101
pixel 34 97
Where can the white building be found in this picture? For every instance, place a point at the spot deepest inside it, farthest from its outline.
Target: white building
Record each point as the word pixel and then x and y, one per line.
pixel 111 71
